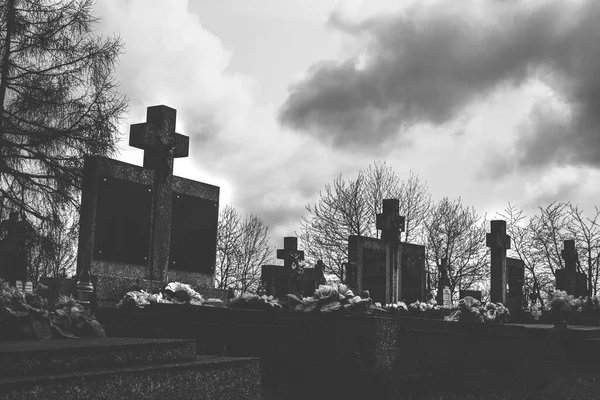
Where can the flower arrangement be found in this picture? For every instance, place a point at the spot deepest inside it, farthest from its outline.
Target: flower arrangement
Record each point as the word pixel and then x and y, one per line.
pixel 578 304
pixel 472 310
pixel 29 315
pixel 331 297
pixel 173 293
pixel 251 301
pixel 421 307
pixel 399 308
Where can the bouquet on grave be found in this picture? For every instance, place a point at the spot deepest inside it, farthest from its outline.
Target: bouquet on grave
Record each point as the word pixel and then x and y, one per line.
pixel 29 315
pixel 471 310
pixel 251 301
pixel 420 308
pixel 173 293
pixel 398 308
pixel 332 297
pixel 560 298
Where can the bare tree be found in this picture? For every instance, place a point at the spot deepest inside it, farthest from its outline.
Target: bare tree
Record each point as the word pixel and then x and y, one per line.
pixel 549 232
pixel 586 233
pixel 415 205
pixel 242 248
pixel 340 212
pixel 525 246
pixel 457 233
pixel 349 207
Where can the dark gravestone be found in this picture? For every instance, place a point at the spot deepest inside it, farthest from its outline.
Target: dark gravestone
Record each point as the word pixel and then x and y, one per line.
pixel 568 279
pixel 412 261
pixel 279 280
pixel 516 280
pixel 476 294
pixel 13 249
pixel 499 242
pixel 367 261
pixel 275 280
pixel 443 281
pixel 291 257
pixel 123 221
pixel 195 221
pixel 311 279
pixel 373 273
pixel 142 227
pixel 391 223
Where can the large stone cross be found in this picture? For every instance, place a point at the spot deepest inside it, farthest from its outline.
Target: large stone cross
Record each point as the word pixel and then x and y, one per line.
pixel 499 242
pixel 390 222
pixel 569 254
pixel 290 253
pixel 158 139
pixel 160 142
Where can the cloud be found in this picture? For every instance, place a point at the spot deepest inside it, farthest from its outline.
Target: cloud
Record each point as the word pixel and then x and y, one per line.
pixel 235 142
pixel 432 61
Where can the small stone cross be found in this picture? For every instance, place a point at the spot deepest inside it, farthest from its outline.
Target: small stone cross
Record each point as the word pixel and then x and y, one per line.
pixel 390 222
pixel 158 139
pixel 290 253
pixel 569 254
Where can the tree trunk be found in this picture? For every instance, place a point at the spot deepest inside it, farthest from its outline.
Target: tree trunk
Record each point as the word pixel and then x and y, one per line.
pixel 4 71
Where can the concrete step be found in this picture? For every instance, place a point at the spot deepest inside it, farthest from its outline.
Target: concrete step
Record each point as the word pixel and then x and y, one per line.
pixel 31 358
pixel 204 377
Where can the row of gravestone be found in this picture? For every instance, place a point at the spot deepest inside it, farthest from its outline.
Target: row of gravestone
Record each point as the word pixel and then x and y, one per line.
pixel 371 268
pixel 141 227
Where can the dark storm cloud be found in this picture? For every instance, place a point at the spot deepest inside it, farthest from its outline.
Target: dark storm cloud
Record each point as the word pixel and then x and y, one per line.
pixel 430 62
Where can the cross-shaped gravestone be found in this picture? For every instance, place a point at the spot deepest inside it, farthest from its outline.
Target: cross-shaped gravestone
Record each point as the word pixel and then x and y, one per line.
pixel 143 227
pixel 158 139
pixel 391 223
pixel 499 242
pixel 290 253
pixel 161 144
pixel 569 255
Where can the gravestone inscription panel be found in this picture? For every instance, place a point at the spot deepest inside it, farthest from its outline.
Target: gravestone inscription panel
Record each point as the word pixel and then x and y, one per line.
pixel 124 212
pixel 373 273
pixel 193 242
pixel 369 255
pixel 516 280
pixel 412 276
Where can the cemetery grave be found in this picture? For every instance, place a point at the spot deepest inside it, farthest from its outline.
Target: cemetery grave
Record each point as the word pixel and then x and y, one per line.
pixel 144 230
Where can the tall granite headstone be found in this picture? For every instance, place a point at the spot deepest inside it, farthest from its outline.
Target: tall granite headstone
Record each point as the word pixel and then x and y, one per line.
pixel 568 279
pixel 141 227
pixel 499 242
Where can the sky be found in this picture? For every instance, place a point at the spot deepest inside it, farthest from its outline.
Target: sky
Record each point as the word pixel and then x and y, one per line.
pixel 493 101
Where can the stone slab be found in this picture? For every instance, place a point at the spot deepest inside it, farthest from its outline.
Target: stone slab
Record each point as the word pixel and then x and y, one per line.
pixel 206 377
pixel 44 357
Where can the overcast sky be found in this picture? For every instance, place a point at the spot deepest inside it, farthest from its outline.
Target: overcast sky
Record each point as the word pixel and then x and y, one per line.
pixel 490 100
